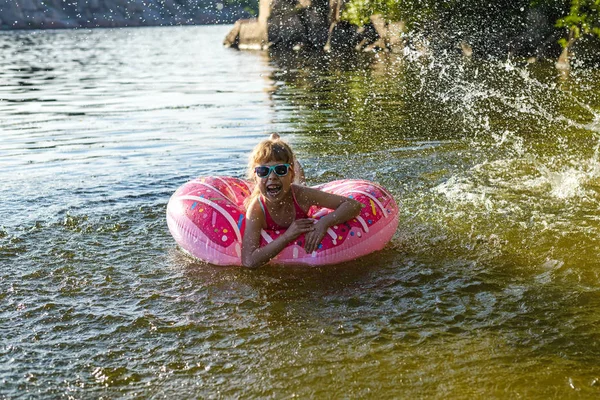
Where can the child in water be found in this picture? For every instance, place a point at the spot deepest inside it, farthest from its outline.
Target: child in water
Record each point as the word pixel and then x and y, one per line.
pixel 279 203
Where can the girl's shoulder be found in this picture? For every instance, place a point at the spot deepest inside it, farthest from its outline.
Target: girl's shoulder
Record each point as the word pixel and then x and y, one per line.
pixel 301 192
pixel 305 190
pixel 255 210
pixel 306 195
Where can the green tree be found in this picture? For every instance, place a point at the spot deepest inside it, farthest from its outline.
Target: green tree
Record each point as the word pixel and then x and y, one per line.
pixel 481 20
pixel 583 18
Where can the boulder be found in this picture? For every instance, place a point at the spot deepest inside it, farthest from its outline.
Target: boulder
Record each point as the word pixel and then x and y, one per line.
pixel 286 29
pixel 232 38
pixel 383 35
pixel 373 34
pixel 253 35
pixel 247 34
pixel 316 27
pixel 292 24
pixel 394 39
pixel 344 36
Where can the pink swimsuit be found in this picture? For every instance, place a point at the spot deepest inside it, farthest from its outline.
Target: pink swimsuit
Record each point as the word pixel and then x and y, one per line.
pixel 271 224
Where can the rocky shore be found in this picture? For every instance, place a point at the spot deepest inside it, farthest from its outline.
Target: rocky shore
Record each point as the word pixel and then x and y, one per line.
pixel 317 24
pixel 56 14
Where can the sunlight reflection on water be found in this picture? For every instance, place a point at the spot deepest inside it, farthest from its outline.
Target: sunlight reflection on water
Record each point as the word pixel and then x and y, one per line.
pixel 489 288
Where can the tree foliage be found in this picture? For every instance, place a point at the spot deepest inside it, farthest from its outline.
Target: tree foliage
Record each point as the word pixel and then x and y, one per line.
pixel 583 18
pixel 575 17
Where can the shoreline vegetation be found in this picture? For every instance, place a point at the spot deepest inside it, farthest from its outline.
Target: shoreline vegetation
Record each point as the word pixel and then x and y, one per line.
pixel 566 31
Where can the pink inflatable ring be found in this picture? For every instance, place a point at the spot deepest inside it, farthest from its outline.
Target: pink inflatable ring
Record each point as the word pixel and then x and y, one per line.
pixel 206 216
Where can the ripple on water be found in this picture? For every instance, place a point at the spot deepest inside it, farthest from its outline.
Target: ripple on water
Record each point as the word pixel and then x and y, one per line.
pixel 489 289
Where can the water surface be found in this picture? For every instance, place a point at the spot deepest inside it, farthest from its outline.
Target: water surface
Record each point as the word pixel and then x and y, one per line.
pixel 489 288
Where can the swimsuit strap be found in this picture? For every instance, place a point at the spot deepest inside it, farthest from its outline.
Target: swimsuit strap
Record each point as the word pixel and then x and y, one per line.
pixel 268 219
pixel 300 214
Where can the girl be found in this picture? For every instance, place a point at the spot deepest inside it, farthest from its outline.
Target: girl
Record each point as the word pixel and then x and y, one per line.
pixel 278 203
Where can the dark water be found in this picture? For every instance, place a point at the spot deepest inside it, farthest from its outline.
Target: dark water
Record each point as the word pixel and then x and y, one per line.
pixel 489 289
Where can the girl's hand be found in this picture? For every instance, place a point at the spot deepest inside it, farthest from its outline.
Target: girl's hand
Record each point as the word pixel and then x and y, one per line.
pixel 298 227
pixel 313 238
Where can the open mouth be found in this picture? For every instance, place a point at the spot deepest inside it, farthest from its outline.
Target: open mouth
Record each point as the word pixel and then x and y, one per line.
pixel 273 190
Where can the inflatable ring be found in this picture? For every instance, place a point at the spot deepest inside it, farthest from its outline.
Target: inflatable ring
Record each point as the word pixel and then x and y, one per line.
pixel 206 216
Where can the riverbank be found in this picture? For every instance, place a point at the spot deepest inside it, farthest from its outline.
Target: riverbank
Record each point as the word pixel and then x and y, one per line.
pixel 57 14
pixel 483 31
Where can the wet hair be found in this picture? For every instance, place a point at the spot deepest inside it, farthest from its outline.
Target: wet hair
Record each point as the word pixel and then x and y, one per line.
pixel 272 149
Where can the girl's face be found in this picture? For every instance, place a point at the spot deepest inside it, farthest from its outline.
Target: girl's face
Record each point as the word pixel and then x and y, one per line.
pixel 274 179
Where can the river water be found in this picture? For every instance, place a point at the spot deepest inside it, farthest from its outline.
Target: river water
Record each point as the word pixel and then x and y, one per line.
pixel 490 288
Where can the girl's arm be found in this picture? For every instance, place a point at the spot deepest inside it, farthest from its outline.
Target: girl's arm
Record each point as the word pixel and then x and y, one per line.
pixel 344 210
pixel 252 254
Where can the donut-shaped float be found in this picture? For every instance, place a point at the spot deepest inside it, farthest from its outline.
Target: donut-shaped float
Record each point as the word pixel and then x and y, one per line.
pixel 206 216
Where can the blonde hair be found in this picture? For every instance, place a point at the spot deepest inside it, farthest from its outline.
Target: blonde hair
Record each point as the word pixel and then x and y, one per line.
pixel 273 149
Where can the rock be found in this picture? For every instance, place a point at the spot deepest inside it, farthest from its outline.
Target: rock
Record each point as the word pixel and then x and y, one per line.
pixel 253 35
pixel 374 34
pixel 344 36
pixel 394 38
pixel 294 24
pixel 232 38
pixel 247 34
pixel 387 35
pixel 286 29
pixel 316 27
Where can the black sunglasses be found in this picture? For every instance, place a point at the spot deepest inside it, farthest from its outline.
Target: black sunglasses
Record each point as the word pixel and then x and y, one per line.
pixel 262 171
